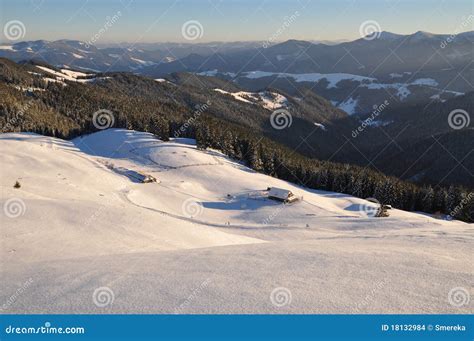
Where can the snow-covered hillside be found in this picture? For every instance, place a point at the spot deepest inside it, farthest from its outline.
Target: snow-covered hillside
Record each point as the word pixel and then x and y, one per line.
pixel 51 75
pixel 352 93
pixel 205 238
pixel 268 100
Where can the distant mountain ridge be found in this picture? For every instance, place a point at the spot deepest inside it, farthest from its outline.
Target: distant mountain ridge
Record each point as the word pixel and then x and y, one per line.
pixel 376 54
pixel 414 142
pixel 405 69
pixel 157 59
pixel 111 57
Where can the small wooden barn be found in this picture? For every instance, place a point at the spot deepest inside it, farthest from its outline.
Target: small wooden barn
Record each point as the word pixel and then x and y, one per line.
pixel 281 194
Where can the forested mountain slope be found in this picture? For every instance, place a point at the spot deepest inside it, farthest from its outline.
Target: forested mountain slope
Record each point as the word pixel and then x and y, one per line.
pixel 66 103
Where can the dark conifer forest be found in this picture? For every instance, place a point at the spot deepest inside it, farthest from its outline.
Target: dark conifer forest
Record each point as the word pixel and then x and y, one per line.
pixel 187 106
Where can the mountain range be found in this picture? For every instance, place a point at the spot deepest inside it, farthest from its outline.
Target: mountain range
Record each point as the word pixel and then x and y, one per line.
pixel 414 142
pixel 353 75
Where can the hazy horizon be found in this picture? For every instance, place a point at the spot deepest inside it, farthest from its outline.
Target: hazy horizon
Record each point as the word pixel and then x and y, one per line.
pixel 104 43
pixel 143 21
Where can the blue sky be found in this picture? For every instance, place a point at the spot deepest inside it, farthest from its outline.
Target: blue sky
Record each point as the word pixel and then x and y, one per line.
pixel 232 20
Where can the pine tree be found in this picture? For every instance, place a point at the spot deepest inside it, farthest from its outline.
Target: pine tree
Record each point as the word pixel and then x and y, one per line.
pixel 453 199
pixel 427 199
pixel 268 162
pixel 254 159
pixel 439 200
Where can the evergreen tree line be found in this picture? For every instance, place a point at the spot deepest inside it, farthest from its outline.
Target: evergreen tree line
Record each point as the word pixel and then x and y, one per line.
pixel 66 112
pixel 257 152
pixel 265 156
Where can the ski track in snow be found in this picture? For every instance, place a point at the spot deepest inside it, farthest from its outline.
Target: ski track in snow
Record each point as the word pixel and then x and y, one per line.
pixel 87 226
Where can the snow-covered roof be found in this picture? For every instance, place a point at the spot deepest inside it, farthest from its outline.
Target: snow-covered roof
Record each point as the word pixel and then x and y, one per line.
pixel 279 193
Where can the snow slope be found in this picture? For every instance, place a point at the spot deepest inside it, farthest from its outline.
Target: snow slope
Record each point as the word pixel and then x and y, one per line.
pixel 205 239
pixel 69 75
pixel 268 100
pixel 332 78
pixel 349 105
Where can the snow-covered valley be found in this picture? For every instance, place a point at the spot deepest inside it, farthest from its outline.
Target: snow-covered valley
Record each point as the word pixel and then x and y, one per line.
pixel 205 238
